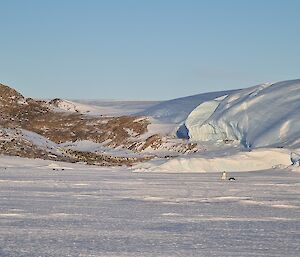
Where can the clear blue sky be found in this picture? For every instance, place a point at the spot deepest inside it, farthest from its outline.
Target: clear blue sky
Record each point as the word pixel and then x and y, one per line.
pixel 146 49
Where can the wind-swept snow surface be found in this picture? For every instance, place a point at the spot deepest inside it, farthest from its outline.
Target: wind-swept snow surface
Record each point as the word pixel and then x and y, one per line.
pixel 88 211
pixel 264 115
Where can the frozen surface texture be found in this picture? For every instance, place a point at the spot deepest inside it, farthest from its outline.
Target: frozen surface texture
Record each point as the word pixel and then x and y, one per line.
pixel 88 211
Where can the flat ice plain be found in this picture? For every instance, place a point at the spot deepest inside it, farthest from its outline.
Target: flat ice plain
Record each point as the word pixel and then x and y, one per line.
pixel 88 211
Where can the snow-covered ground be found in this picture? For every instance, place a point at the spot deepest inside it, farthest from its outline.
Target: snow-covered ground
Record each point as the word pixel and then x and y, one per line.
pixel 92 211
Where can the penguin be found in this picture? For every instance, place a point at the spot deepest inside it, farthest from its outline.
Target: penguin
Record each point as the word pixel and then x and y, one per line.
pixel 224 175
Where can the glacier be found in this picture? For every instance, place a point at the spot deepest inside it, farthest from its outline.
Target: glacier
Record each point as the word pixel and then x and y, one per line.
pixel 266 115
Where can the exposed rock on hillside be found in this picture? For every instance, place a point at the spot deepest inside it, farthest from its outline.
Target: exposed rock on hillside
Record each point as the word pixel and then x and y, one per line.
pixel 20 115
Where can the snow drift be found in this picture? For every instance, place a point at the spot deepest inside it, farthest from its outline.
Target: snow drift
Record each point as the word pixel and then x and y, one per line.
pixel 264 115
pixel 260 159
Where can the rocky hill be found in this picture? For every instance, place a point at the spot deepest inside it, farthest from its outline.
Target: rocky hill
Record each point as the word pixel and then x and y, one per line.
pixel 42 129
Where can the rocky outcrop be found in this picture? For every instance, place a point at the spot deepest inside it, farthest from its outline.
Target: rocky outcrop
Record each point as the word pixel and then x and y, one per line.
pixel 49 123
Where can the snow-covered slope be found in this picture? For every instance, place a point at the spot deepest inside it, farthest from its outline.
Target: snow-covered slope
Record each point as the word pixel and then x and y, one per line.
pixel 101 107
pixel 70 106
pixel 113 107
pixel 21 142
pixel 177 110
pixel 264 115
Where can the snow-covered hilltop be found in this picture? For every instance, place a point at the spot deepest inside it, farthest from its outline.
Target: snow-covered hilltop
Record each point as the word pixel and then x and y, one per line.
pixel 260 116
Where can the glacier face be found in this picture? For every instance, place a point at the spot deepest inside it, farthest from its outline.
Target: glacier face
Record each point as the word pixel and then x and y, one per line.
pixel 263 115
